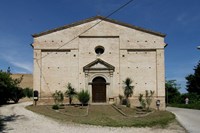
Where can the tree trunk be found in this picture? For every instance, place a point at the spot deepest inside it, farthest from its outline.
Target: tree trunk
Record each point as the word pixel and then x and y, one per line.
pixel 70 100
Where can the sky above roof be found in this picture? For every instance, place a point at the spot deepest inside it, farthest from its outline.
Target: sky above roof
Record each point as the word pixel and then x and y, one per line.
pixel 179 19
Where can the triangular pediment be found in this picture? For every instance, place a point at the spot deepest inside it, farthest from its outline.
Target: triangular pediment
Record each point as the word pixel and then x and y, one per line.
pixel 102 19
pixel 98 64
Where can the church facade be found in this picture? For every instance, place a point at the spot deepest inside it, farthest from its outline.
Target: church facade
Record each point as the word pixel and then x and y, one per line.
pixel 98 54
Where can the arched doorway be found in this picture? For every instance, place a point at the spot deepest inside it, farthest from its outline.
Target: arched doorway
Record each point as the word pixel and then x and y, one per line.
pixel 98 89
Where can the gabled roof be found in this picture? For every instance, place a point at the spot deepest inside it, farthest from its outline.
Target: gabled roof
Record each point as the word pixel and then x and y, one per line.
pixel 98 61
pixel 102 18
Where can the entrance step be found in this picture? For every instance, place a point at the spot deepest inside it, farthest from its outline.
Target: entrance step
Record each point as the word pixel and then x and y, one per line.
pixel 99 104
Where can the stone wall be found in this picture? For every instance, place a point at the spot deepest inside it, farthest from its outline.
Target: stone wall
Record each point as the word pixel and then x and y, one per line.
pixel 27 80
pixel 134 53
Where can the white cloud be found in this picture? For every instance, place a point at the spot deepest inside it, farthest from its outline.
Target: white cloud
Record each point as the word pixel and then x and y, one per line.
pixel 185 18
pixel 24 65
pixel 181 17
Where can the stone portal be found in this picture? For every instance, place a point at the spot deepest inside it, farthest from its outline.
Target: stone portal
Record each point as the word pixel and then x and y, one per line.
pixel 99 90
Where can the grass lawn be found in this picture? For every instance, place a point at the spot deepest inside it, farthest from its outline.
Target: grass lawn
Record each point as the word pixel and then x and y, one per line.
pixel 105 115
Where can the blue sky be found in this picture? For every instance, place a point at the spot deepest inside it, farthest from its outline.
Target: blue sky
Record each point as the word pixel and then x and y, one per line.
pixel 179 19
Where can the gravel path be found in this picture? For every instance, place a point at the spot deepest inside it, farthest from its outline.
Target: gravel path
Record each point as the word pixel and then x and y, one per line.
pixel 189 118
pixel 20 120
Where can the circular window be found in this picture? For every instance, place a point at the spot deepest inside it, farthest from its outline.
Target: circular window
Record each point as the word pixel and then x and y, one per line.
pixel 99 50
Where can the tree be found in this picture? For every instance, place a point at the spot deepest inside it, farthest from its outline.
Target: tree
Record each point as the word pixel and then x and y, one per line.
pixel 193 80
pixel 70 92
pixel 5 85
pixel 16 92
pixel 171 91
pixel 128 90
pixel 193 98
pixel 9 88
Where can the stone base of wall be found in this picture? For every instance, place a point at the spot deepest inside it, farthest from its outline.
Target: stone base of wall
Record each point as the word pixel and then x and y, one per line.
pixel 134 102
pixel 50 101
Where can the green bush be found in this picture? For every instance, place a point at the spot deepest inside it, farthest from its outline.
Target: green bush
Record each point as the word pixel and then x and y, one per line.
pixel 189 106
pixel 83 97
pixel 58 97
pixel 9 88
pixel 16 94
pixel 142 101
pixel 149 98
pixel 55 107
pixel 145 103
pixel 128 90
pixel 193 98
pixel 28 92
pixel 70 92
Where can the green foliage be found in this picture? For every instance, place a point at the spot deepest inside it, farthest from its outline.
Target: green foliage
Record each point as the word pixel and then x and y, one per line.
pixel 55 107
pixel 189 106
pixel 5 86
pixel 16 94
pixel 83 97
pixel 9 88
pixel 149 98
pixel 193 80
pixel 128 89
pixel 171 91
pixel 70 92
pixel 58 97
pixel 142 101
pixel 145 103
pixel 28 92
pixel 193 98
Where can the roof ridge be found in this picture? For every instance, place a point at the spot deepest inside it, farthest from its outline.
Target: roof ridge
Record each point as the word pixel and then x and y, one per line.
pixel 94 18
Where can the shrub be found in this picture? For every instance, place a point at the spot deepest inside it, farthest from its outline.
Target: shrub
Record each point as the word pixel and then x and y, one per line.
pixel 16 94
pixel 83 97
pixel 58 97
pixel 189 106
pixel 149 98
pixel 55 107
pixel 70 92
pixel 193 98
pixel 142 101
pixel 124 101
pixel 128 89
pixel 28 92
pixel 145 103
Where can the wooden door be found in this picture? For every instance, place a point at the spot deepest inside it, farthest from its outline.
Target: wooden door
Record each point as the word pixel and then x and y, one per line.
pixel 99 90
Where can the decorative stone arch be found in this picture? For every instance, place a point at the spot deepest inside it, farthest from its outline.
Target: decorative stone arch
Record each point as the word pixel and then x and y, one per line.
pixel 93 76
